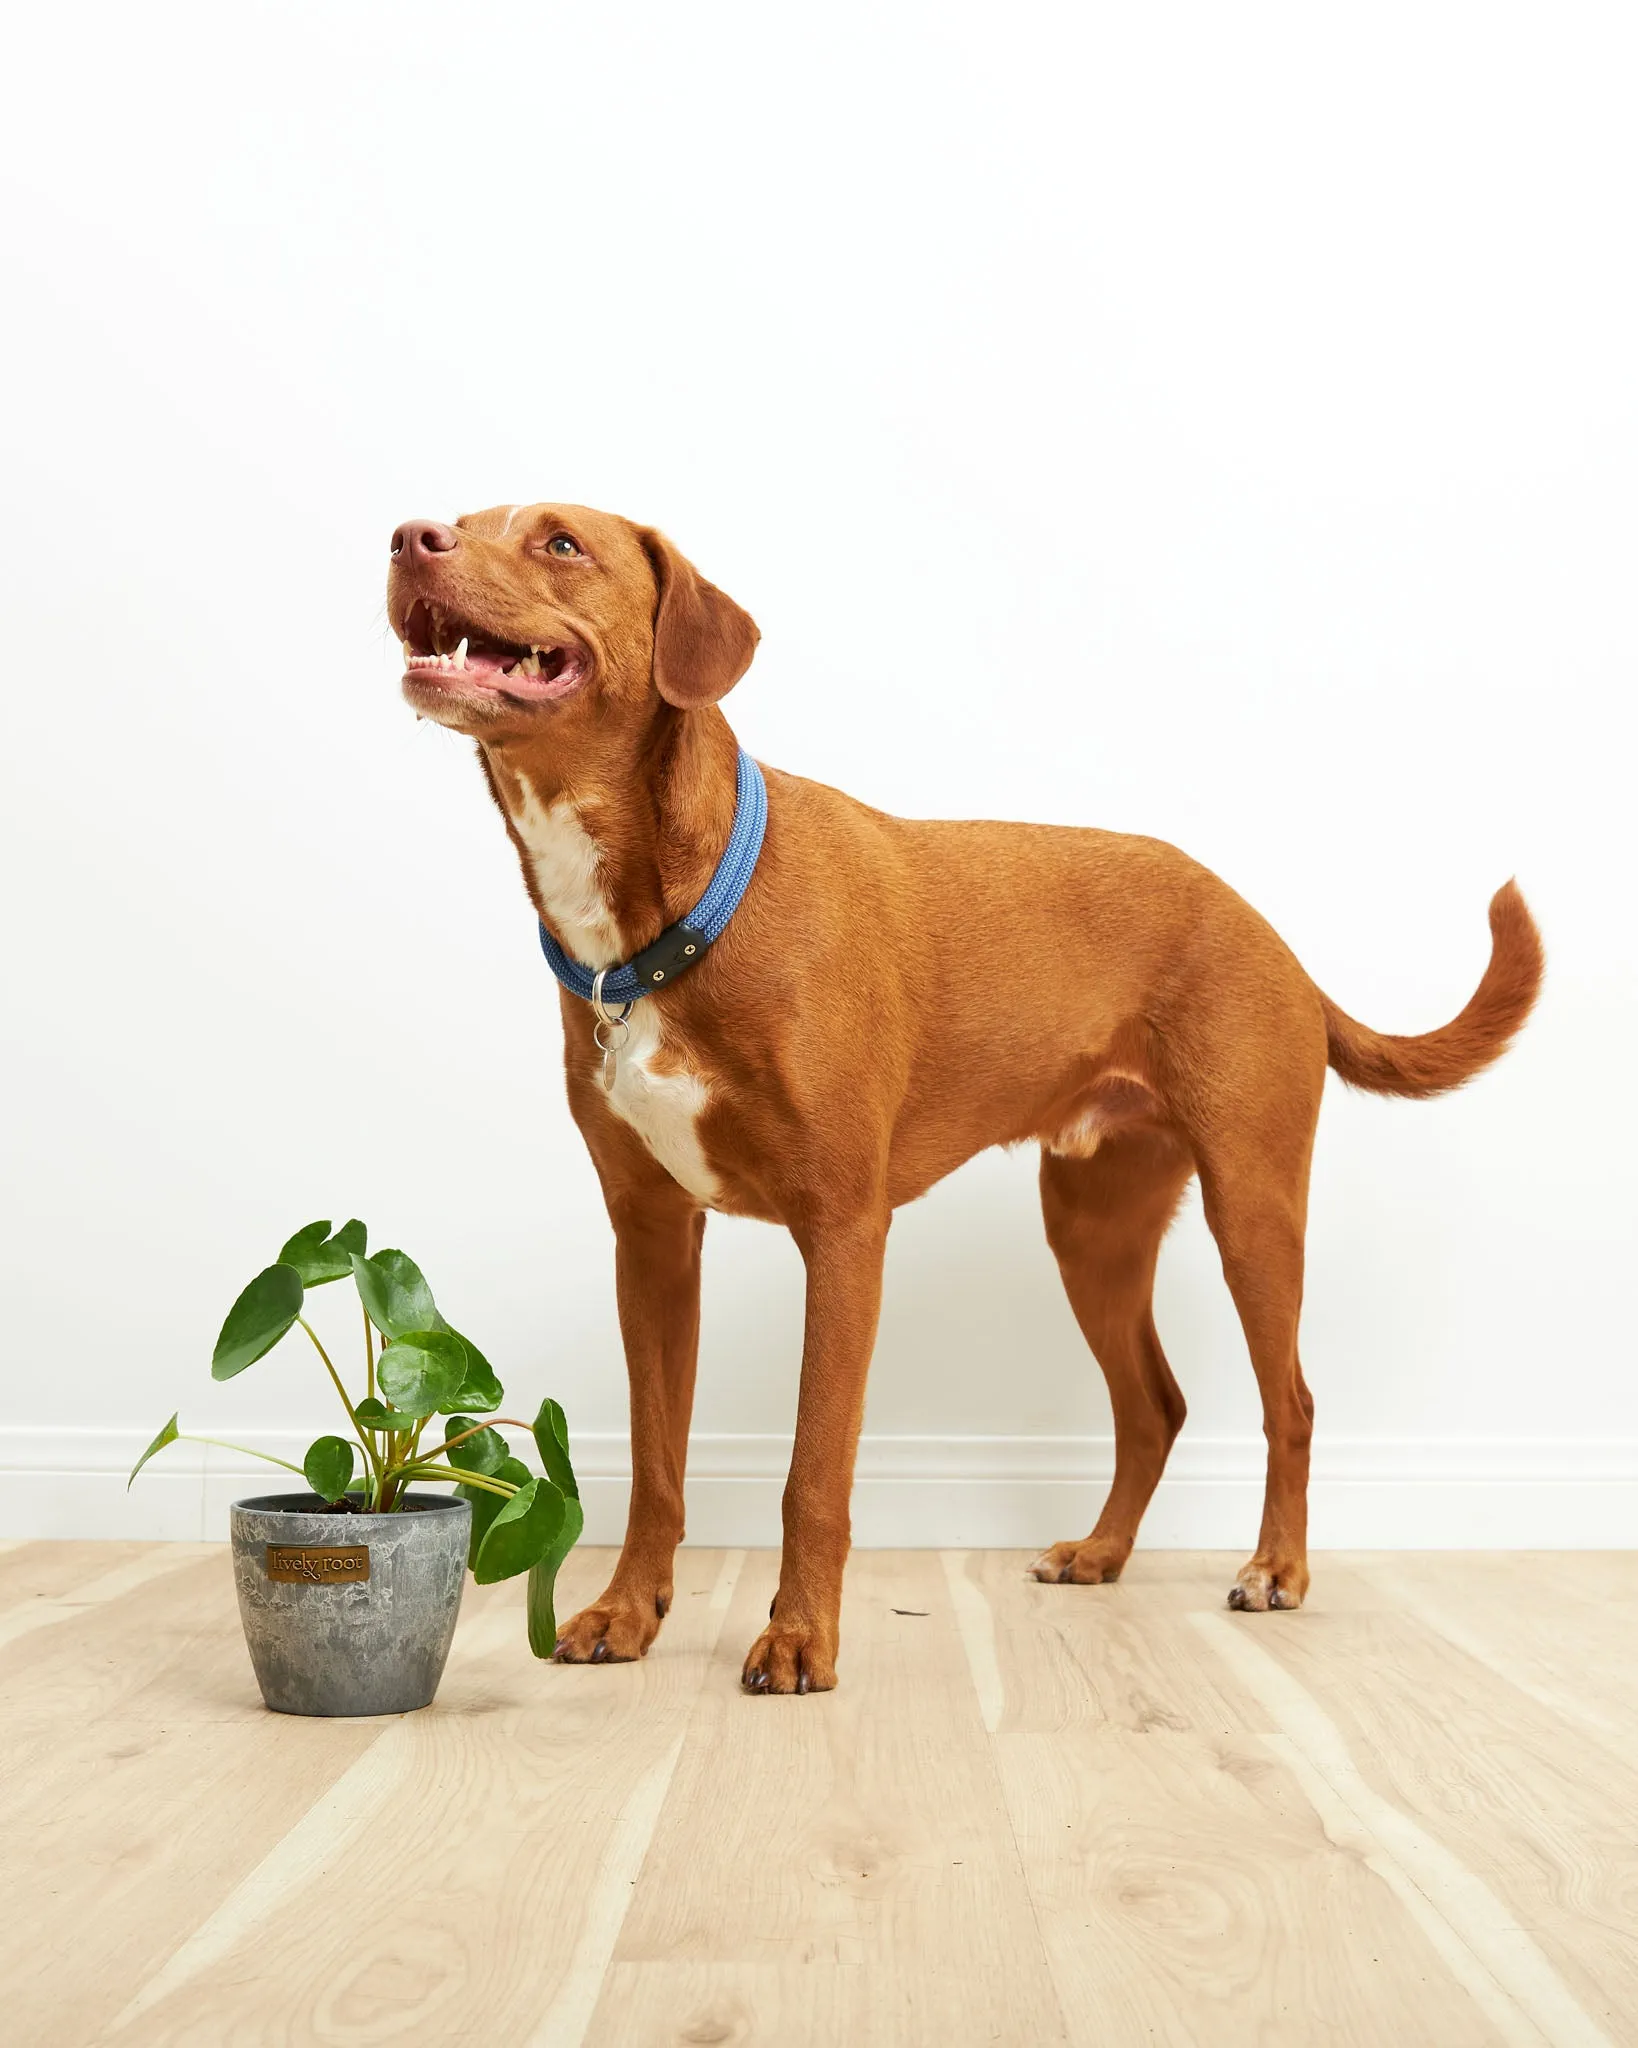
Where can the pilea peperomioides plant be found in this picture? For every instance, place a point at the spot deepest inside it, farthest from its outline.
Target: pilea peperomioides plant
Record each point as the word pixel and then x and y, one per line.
pixel 521 1521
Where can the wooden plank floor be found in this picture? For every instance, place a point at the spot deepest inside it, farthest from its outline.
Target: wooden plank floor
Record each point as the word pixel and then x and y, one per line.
pixel 1030 1815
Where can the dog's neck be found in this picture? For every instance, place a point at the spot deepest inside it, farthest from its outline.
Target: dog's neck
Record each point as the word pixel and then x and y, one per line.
pixel 618 838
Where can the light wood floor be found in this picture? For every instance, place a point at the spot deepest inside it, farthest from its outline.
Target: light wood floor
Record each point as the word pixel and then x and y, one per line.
pixel 1101 1815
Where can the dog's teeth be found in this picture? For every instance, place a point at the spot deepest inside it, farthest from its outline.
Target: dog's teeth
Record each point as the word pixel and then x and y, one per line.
pixel 460 653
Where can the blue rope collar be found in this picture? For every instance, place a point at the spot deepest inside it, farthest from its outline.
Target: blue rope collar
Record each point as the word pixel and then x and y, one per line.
pixel 682 945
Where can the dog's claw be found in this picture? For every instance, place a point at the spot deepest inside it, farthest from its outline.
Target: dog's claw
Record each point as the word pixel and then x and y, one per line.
pixel 790 1660
pixel 1095 1562
pixel 617 1629
pixel 1277 1583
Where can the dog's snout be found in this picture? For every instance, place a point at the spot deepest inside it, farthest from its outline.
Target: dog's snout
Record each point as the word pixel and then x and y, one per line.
pixel 418 538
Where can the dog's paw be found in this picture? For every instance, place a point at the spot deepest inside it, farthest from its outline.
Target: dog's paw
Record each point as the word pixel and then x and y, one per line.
pixel 1267 1583
pixel 613 1630
pixel 1094 1562
pixel 788 1657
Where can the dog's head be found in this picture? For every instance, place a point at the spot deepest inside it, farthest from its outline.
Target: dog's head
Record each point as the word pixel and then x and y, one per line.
pixel 532 620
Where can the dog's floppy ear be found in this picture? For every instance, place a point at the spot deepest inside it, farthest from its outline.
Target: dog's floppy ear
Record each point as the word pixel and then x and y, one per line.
pixel 703 642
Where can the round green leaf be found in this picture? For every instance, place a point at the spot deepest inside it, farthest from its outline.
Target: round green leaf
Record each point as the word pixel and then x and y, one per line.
pixel 350 1238
pixel 521 1533
pixel 486 1505
pixel 421 1373
pixel 167 1435
pixel 329 1467
pixel 552 1442
pixel 396 1296
pixel 320 1258
pixel 373 1415
pixel 486 1452
pixel 480 1390
pixel 303 1243
pixel 257 1320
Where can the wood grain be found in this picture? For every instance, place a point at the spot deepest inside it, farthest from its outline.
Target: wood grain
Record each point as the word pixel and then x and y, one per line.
pixel 478 1840
pixel 1170 1852
pixel 858 1834
pixel 1542 1817
pixel 1030 1815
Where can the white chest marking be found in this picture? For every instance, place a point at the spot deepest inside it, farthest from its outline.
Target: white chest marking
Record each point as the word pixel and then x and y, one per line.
pixel 662 1108
pixel 567 870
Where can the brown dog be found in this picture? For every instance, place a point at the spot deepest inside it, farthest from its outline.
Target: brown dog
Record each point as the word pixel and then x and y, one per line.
pixel 851 1039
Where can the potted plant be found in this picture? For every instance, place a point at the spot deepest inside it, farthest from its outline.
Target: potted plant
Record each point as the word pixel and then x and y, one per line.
pixel 349 1591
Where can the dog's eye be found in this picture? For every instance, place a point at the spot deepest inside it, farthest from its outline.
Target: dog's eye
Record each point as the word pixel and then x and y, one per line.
pixel 560 544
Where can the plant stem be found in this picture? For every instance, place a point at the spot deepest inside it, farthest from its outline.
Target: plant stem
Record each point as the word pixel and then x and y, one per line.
pixel 494 1422
pixel 373 1449
pixel 187 1436
pixel 478 1479
pixel 370 1451
pixel 372 1488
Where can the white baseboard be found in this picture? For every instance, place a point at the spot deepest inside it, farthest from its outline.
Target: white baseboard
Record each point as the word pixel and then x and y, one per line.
pixel 927 1491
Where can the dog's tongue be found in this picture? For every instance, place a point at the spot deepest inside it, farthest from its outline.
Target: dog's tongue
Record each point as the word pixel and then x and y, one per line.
pixel 542 673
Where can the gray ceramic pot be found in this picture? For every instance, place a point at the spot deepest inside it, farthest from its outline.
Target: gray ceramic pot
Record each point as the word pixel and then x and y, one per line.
pixel 349 1614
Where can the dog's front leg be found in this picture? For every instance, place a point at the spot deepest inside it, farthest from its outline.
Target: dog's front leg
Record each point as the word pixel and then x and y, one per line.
pixel 658 1233
pixel 796 1652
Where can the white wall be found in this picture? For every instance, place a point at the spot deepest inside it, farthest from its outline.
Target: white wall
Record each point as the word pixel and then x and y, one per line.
pixel 1214 422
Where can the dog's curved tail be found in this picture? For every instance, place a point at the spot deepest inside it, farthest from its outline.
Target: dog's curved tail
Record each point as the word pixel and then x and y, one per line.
pixel 1444 1059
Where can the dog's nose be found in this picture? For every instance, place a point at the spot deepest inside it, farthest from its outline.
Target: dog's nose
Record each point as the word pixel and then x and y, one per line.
pixel 418 538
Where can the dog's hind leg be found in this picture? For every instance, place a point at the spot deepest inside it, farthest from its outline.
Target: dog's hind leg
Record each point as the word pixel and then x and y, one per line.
pixel 1105 1217
pixel 1258 1220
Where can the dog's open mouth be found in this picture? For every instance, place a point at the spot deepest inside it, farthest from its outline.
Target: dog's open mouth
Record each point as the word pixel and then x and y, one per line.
pixel 446 651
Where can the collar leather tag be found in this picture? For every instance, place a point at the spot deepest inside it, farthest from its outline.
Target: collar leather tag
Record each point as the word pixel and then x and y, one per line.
pixel 684 944
pixel 676 950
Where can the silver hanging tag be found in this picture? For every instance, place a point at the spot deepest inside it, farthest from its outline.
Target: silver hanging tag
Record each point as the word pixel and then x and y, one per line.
pixel 610 1031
